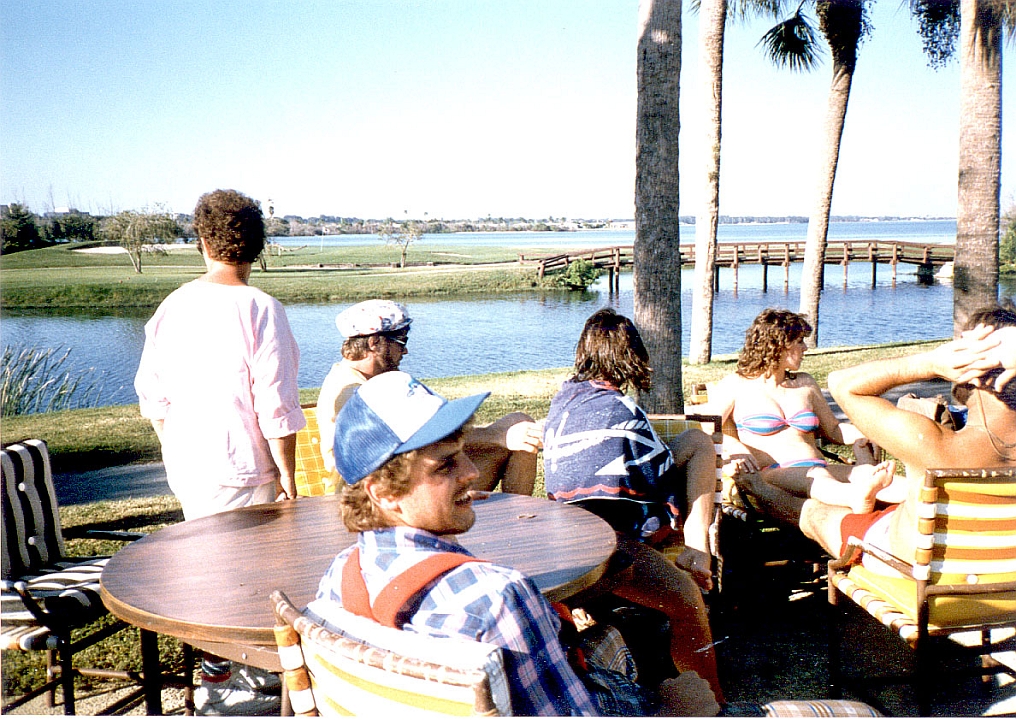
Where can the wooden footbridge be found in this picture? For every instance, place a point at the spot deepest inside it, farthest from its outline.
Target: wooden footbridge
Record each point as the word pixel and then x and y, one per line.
pixel 928 257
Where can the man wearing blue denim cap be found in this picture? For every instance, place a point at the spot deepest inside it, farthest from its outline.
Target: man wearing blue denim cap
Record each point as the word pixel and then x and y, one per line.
pixel 408 493
pixel 376 334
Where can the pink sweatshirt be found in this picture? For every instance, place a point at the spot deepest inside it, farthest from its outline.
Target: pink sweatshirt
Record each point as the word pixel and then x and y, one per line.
pixel 220 369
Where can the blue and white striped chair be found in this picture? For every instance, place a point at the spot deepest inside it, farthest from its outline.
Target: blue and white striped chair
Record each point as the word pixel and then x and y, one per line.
pixel 45 594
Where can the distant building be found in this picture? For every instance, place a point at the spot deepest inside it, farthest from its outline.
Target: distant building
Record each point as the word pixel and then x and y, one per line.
pixel 62 211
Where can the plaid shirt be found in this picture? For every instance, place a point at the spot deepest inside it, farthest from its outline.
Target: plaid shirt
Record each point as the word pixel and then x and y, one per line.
pixel 475 601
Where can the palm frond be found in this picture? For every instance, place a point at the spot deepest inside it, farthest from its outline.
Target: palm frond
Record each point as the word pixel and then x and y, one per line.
pixel 744 10
pixel 793 44
pixel 938 24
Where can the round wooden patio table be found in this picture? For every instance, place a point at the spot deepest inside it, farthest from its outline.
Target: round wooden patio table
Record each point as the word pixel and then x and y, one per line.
pixel 207 581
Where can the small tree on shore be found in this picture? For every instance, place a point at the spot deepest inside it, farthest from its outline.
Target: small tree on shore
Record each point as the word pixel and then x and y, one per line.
pixel 135 231
pixel 401 234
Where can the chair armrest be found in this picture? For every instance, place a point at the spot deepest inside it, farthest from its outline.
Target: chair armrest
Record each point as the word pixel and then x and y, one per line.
pixel 38 612
pixel 888 558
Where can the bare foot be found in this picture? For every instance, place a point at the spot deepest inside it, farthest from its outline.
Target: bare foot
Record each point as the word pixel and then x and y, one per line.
pixel 870 479
pixel 687 695
pixel 698 564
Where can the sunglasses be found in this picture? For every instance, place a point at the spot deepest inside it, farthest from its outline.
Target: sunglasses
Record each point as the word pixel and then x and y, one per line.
pixel 402 338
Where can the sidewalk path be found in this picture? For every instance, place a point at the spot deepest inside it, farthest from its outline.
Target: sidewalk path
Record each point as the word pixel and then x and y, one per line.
pixel 114 483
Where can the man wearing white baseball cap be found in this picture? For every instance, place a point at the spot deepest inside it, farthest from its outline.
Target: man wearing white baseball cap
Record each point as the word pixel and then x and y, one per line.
pixel 376 333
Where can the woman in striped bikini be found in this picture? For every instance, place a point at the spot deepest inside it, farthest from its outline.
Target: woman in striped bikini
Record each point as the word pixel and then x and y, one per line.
pixel 774 414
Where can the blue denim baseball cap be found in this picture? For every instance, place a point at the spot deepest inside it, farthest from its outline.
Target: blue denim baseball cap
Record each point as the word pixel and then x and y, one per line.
pixel 391 414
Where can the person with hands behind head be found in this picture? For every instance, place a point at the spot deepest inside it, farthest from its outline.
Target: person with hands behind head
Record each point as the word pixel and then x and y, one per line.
pixel 218 381
pixel 976 362
pixel 773 415
pixel 376 337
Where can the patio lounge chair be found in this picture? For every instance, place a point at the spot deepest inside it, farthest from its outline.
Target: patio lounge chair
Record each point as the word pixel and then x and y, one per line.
pixel 963 582
pixel 46 594
pixel 369 669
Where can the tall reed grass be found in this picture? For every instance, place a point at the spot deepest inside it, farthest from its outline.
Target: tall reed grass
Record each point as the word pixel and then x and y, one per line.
pixel 33 380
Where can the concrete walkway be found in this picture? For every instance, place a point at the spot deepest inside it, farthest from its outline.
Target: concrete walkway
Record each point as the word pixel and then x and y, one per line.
pixel 113 483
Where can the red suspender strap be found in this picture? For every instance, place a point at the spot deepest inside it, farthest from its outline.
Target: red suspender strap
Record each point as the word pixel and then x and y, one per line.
pixel 354 589
pixel 394 596
pixel 399 591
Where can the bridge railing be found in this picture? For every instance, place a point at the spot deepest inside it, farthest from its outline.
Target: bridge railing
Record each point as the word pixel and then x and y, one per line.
pixel 775 252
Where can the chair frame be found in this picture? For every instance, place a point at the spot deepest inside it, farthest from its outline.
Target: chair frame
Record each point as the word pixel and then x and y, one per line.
pixel 917 631
pixel 59 647
pixel 293 628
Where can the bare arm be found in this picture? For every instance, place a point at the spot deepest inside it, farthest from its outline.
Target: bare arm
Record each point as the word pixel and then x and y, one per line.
pixel 284 453
pixel 720 402
pixel 988 350
pixel 913 438
pixel 514 431
pixel 828 425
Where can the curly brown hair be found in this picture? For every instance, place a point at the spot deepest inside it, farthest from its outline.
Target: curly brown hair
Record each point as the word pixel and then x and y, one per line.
pixel 610 349
pixel 767 338
pixel 356 347
pixel 231 225
pixel 359 513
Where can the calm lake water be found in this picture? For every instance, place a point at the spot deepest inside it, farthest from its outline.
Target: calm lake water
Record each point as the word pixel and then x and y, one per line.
pixel 535 331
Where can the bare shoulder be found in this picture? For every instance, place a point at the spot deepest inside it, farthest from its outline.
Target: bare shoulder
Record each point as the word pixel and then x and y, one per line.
pixel 803 380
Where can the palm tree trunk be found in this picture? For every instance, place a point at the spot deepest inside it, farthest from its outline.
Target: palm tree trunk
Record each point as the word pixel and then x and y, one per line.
pixel 657 250
pixel 818 224
pixel 975 272
pixel 712 20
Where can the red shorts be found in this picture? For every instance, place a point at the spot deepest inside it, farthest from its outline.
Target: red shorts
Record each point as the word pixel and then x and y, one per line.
pixel 857 524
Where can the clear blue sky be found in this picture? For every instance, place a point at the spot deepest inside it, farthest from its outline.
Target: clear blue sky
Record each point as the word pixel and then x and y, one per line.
pixel 454 108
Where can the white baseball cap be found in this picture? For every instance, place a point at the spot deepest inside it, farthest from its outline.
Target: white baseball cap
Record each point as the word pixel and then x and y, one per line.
pixel 372 316
pixel 391 414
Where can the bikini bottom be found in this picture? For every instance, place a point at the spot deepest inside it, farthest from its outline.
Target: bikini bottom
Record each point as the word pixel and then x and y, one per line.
pixel 809 462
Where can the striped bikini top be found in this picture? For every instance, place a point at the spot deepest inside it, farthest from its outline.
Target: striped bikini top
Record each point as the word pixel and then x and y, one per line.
pixel 771 423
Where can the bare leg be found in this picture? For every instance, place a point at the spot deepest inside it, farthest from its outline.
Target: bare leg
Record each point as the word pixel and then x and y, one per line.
pixel 818 521
pixel 654 582
pixel 515 470
pixel 856 490
pixel 772 499
pixel 694 450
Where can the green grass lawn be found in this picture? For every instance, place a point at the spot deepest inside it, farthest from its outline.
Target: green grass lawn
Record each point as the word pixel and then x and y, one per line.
pixel 57 276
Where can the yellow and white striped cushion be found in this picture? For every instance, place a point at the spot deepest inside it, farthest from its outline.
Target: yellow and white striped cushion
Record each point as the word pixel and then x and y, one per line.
pixel 359 667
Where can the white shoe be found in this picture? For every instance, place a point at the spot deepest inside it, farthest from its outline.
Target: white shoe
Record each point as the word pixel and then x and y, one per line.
pixel 258 679
pixel 234 697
